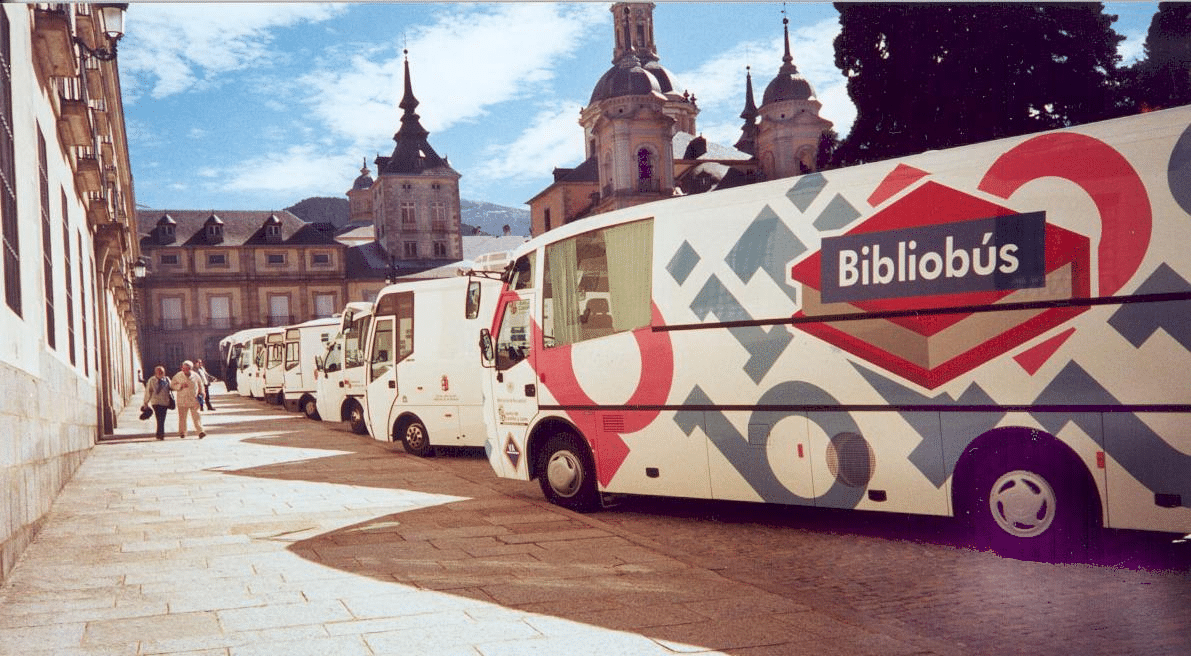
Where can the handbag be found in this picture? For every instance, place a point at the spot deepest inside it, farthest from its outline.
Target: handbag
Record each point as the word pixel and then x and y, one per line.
pixel 173 404
pixel 146 412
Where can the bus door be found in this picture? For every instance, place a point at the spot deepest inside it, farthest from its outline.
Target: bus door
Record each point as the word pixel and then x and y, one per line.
pixel 514 383
pixel 391 342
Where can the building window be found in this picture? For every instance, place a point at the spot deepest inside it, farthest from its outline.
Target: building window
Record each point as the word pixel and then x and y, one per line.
pixel 168 259
pixel 411 249
pixel 279 310
pixel 320 259
pixel 70 333
pixel 47 242
pixel 8 173
pixel 645 170
pixel 440 249
pixel 171 313
pixel 174 355
pixel 438 215
pixel 217 259
pixel 220 308
pixel 324 305
pixel 405 186
pixel 408 216
pixel 547 219
pixel 275 258
pixel 83 307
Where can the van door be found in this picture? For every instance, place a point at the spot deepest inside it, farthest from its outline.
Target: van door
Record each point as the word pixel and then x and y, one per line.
pixel 514 383
pixel 391 342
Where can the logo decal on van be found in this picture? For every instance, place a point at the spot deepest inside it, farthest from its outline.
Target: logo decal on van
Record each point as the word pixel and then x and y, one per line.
pixel 946 248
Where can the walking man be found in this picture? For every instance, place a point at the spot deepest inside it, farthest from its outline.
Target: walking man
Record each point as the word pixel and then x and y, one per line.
pixel 205 398
pixel 189 386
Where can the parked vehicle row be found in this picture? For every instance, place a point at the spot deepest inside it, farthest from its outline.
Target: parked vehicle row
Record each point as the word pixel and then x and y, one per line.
pixel 995 332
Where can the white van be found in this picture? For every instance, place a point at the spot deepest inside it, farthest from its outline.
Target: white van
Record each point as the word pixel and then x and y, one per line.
pixel 424 374
pixel 340 383
pixel 232 349
pixel 303 344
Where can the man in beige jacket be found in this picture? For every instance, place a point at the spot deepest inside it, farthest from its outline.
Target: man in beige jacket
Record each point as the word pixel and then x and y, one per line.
pixel 188 384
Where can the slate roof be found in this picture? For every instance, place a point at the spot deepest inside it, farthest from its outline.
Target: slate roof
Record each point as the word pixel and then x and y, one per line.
pixel 240 228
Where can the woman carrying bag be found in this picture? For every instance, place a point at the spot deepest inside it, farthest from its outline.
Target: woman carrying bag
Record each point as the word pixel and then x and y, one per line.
pixel 159 398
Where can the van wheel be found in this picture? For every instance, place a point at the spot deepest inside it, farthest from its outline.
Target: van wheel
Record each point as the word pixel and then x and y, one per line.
pixel 1032 505
pixel 355 419
pixel 310 408
pixel 416 439
pixel 567 474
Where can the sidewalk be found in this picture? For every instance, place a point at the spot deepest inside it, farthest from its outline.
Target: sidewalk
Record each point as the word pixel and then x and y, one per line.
pixel 281 535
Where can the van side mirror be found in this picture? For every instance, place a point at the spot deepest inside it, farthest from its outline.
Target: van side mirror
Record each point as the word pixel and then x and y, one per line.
pixel 487 351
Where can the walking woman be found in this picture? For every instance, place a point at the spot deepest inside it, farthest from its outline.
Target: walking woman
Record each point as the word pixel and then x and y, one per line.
pixel 157 396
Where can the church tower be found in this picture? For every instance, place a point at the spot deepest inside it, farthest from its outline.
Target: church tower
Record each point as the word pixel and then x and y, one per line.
pixel 787 141
pixel 359 197
pixel 634 112
pixel 414 200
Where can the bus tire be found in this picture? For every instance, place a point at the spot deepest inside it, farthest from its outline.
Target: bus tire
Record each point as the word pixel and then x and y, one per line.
pixel 1032 503
pixel 355 419
pixel 416 439
pixel 310 407
pixel 567 473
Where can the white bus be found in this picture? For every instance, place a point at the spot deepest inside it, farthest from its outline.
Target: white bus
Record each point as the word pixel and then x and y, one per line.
pixel 997 332
pixel 425 380
pixel 304 342
pixel 341 369
pixel 233 348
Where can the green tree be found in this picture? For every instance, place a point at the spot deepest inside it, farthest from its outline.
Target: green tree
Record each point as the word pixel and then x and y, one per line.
pixel 931 75
pixel 1163 76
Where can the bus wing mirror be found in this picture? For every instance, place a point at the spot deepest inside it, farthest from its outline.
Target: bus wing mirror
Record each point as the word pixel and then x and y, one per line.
pixel 487 352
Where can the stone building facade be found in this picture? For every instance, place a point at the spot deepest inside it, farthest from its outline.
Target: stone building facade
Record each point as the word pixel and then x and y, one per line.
pixel 69 360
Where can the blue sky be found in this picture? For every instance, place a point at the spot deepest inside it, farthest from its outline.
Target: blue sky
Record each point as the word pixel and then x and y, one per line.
pixel 257 106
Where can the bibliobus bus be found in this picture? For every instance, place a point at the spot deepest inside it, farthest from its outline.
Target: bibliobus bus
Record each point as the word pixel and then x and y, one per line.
pixel 341 369
pixel 997 332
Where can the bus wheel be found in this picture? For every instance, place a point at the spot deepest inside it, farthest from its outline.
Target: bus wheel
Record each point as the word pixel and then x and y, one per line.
pixel 416 439
pixel 567 475
pixel 355 418
pixel 1032 505
pixel 310 408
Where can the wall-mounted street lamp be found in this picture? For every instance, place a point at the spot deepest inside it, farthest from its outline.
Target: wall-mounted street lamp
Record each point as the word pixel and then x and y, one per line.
pixel 111 21
pixel 141 268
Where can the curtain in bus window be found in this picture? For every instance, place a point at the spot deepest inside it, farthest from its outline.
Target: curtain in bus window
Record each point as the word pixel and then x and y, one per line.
pixel 561 297
pixel 630 266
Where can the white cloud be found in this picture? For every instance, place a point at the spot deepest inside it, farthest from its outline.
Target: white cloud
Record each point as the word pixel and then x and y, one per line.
pixel 470 59
pixel 300 171
pixel 176 47
pixel 552 138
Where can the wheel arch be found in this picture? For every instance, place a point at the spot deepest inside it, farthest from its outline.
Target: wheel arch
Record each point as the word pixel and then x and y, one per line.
pixel 541 434
pixel 1004 443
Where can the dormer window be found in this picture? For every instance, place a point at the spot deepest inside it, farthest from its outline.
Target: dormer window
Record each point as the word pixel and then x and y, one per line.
pixel 213 229
pixel 166 229
pixel 273 229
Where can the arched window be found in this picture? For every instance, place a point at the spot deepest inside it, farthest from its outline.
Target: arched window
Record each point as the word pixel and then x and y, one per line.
pixel 646 165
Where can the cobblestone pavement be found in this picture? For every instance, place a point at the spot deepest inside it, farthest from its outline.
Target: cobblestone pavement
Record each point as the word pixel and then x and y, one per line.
pixel 280 535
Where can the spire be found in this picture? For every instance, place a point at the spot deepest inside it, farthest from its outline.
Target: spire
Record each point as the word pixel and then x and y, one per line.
pixel 748 136
pixel 412 153
pixel 787 59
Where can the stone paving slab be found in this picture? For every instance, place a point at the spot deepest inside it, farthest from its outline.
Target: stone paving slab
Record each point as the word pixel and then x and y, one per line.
pixel 280 535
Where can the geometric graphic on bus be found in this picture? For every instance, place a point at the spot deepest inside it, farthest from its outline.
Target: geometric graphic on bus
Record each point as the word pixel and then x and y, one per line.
pixel 1137 322
pixel 764 345
pixel 767 244
pixel 750 454
pixel 1147 457
pixel 1178 171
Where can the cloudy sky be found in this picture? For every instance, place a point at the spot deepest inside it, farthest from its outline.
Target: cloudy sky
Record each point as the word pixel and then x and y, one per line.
pixel 257 106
